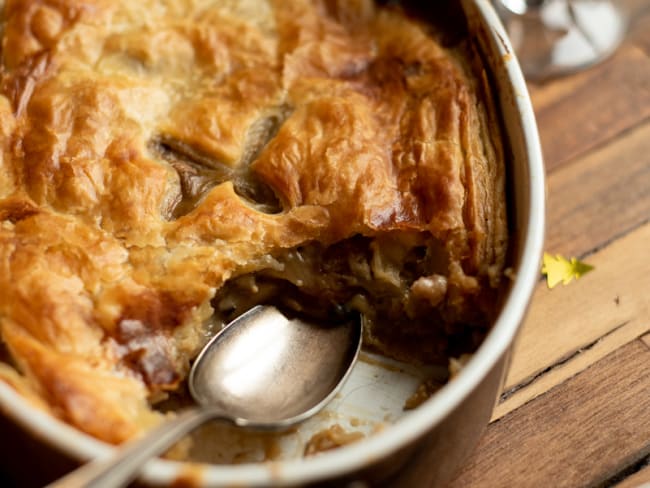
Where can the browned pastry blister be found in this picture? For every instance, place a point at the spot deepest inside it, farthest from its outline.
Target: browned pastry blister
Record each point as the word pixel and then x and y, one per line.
pixel 166 163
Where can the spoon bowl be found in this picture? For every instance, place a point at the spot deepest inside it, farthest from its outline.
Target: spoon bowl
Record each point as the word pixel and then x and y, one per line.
pixel 264 371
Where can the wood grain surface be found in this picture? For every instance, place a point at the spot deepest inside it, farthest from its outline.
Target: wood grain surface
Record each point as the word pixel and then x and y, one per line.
pixel 575 410
pixel 573 422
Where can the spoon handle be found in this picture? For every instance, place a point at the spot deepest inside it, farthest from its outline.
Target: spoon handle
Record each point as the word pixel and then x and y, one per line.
pixel 122 467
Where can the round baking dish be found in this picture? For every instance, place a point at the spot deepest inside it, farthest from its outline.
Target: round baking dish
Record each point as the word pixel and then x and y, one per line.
pixel 426 446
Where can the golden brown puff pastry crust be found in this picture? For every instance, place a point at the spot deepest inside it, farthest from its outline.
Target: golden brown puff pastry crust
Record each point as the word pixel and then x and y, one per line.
pixel 151 151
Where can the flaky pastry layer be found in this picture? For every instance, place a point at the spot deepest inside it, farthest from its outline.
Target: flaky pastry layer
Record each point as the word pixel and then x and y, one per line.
pixel 151 151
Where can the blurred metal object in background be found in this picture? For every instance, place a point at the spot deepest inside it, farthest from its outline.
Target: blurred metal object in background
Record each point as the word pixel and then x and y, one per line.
pixel 556 37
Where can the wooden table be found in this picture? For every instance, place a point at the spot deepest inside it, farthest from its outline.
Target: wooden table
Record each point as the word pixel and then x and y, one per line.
pixel 576 406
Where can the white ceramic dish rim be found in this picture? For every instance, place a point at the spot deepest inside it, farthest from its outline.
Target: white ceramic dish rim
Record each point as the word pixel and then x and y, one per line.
pixel 411 426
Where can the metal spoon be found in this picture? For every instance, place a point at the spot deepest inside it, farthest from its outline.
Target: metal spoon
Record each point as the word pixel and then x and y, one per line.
pixel 262 371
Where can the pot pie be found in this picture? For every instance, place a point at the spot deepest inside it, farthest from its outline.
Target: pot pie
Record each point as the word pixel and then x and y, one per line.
pixel 166 165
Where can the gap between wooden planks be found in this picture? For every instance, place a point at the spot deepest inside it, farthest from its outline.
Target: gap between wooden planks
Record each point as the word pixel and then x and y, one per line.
pixel 598 313
pixel 592 201
pixel 640 479
pixel 581 433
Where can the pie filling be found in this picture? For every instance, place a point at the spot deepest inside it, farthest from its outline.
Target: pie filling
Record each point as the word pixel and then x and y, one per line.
pixel 396 282
pixel 198 173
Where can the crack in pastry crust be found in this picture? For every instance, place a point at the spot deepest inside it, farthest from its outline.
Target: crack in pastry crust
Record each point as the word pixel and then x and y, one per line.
pixel 157 157
pixel 198 173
